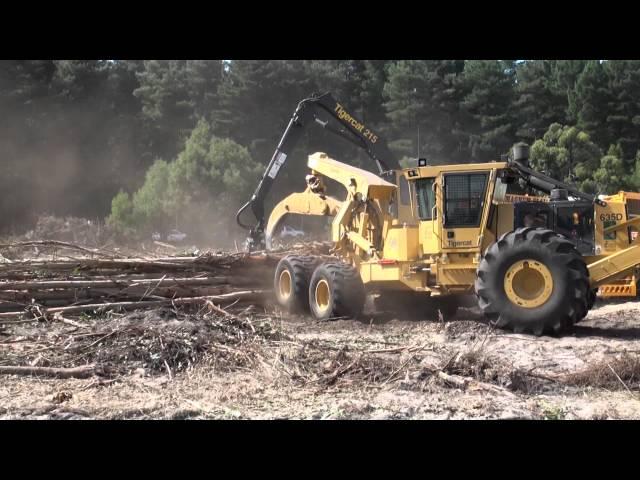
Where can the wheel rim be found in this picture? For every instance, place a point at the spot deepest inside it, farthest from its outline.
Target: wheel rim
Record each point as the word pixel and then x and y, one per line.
pixel 284 284
pixel 322 295
pixel 528 283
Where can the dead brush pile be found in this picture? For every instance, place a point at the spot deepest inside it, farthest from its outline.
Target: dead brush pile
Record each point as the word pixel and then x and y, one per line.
pixel 478 368
pixel 620 373
pixel 310 363
pixel 158 341
pixel 186 309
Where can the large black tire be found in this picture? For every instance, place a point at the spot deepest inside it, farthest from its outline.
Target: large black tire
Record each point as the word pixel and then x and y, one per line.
pixel 336 291
pixel 291 282
pixel 591 299
pixel 563 300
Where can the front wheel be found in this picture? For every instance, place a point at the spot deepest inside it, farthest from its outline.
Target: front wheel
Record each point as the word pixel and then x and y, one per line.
pixel 533 280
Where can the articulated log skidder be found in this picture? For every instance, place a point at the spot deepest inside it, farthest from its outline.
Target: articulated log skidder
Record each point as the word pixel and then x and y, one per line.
pixel 425 236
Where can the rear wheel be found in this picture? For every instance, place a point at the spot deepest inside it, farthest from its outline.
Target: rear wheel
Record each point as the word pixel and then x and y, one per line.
pixel 533 280
pixel 336 290
pixel 291 282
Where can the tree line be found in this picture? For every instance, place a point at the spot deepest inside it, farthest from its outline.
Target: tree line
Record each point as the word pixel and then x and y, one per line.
pixel 156 143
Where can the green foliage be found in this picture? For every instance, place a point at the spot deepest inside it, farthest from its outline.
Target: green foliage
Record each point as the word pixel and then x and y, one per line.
pixel 612 175
pixel 623 108
pixel 539 102
pixel 564 76
pixel 151 202
pixel 208 176
pixel 212 166
pixel 635 178
pixel 568 154
pixel 75 133
pixel 122 219
pixel 489 94
pixel 591 102
pixel 553 412
pixel 174 94
pixel 422 101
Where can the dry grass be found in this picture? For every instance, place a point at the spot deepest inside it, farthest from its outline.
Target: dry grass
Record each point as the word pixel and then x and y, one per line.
pixel 620 373
pixel 156 340
pixel 180 363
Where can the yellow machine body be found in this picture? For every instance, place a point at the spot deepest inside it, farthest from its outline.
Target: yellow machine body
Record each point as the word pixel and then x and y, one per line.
pixel 414 234
pixel 616 234
pixel 614 231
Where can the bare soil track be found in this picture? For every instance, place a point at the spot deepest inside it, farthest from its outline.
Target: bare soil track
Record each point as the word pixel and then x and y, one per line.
pixel 227 362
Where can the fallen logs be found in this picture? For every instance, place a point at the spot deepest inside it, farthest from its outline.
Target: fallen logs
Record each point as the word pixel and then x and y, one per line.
pixel 123 282
pixel 75 372
pixel 34 288
pixel 240 296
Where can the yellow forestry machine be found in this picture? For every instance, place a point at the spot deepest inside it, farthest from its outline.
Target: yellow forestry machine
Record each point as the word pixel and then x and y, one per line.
pixel 426 237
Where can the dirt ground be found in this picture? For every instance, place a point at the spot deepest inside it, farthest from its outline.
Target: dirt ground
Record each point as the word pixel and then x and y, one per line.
pixel 380 368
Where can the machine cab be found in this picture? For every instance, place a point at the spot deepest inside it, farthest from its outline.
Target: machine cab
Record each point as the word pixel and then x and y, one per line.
pixel 573 219
pixel 452 204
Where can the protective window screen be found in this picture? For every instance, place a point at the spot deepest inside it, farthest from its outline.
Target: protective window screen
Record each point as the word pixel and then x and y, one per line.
pixel 426 198
pixel 404 191
pixel 633 207
pixel 464 198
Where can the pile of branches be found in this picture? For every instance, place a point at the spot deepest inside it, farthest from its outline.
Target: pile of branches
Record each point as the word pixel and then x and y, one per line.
pixel 72 280
pixel 157 341
pixel 101 281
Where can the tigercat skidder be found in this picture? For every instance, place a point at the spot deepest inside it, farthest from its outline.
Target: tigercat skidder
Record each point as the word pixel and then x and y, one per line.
pixel 427 236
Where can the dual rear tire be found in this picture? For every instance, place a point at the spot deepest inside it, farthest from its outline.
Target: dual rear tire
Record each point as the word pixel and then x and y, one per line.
pixel 326 290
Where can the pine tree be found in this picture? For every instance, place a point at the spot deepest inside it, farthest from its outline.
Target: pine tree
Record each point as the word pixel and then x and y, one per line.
pixel 538 104
pixel 613 174
pixel 423 100
pixel 623 109
pixel 489 95
pixel 592 101
pixel 564 76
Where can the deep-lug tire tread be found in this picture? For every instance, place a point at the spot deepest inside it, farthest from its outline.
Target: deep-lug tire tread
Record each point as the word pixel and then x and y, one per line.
pixel 347 290
pixel 301 268
pixel 561 256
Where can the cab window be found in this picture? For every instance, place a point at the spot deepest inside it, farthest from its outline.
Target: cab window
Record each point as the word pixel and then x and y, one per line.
pixel 404 190
pixel 464 199
pixel 426 198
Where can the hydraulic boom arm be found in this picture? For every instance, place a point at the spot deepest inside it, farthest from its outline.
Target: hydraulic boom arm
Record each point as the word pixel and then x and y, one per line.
pixel 307 111
pixel 520 164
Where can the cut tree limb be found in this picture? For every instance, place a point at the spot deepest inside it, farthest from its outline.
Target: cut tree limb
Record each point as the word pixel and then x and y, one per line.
pixel 77 372
pixel 57 243
pixel 465 383
pixel 244 295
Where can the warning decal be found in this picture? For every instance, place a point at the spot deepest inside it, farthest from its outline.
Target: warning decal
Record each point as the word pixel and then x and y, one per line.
pixel 280 159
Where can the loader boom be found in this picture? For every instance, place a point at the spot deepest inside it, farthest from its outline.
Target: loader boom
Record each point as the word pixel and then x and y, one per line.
pixel 309 110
